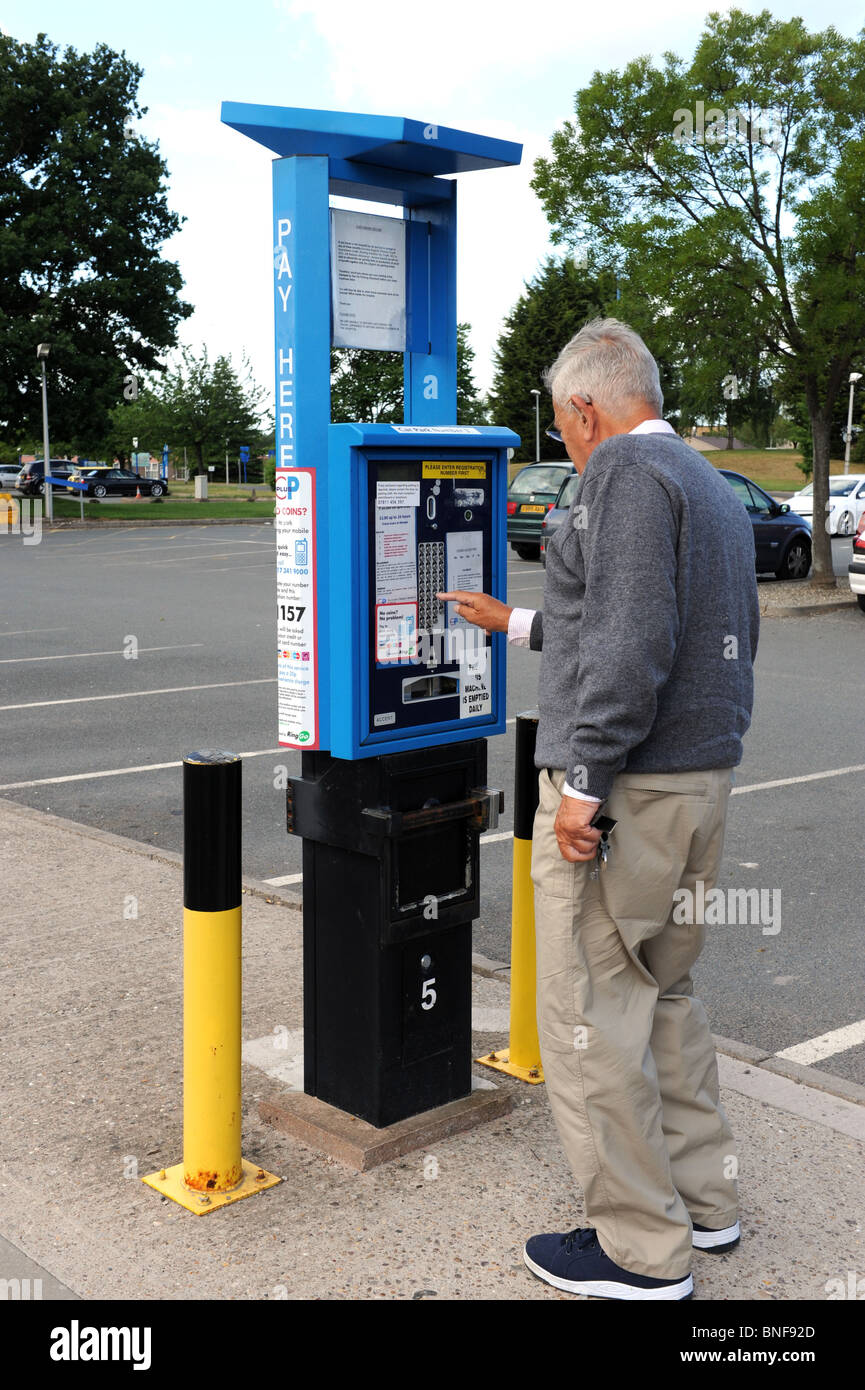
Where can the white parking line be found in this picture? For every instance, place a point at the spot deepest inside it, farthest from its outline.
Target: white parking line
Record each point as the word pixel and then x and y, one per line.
pixel 26 631
pixel 72 656
pixel 792 781
pixel 826 1044
pixel 284 880
pixel 233 569
pixel 135 694
pixel 186 546
pixel 119 771
pixel 180 556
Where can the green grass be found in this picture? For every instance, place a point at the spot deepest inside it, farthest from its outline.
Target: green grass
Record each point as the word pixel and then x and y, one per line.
pixel 169 510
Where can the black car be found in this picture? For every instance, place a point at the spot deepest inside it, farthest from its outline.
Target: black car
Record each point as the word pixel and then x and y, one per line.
pixel 782 538
pixel 31 479
pixel 121 482
pixel 530 496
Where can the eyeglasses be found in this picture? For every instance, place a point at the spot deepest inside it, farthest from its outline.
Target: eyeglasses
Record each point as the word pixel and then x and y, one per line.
pixel 553 432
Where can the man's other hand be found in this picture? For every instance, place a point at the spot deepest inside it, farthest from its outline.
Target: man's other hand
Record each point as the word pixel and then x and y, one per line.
pixel 481 609
pixel 578 841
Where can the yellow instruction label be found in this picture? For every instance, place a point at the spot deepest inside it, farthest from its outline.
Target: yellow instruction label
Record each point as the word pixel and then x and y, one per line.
pixel 453 468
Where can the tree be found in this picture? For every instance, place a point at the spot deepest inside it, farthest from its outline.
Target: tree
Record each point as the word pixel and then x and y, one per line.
pixel 367 385
pixel 734 178
pixel 209 407
pixel 470 407
pixel 83 214
pixel 555 304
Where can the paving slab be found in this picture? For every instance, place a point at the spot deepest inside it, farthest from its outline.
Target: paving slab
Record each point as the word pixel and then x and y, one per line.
pixel 90 945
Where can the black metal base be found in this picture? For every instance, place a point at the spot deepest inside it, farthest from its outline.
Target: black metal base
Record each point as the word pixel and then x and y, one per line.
pixel 390 889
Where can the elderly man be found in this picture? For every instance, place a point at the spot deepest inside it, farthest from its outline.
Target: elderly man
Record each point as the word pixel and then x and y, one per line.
pixel 648 635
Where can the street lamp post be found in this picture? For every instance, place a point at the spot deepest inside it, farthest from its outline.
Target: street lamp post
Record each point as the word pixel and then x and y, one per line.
pixel 537 396
pixel 42 351
pixel 854 377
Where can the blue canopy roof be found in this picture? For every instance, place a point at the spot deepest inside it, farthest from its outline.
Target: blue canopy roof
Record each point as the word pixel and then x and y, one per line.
pixel 388 142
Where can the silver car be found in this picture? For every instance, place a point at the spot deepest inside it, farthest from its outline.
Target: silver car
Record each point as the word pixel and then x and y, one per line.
pixel 9 476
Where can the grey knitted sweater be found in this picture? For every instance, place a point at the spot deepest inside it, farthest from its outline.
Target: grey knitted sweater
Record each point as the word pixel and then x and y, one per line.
pixel 650 620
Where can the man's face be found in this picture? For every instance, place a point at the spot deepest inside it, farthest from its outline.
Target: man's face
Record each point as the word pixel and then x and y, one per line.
pixel 575 421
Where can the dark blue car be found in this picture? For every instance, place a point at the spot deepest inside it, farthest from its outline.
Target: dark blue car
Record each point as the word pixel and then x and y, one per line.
pixel 782 538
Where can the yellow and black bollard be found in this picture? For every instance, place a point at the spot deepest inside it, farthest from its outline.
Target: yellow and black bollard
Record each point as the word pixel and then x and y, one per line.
pixel 523 1057
pixel 213 1172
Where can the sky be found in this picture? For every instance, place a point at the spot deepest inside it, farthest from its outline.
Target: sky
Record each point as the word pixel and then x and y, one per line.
pixel 500 69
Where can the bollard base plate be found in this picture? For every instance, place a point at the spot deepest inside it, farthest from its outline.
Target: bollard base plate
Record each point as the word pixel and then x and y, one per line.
pixel 172 1185
pixel 500 1061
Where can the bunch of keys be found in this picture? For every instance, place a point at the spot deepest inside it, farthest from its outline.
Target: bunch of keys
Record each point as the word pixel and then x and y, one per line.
pixel 606 825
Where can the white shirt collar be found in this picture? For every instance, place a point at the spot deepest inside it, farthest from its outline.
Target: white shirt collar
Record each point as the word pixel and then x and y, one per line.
pixel 652 427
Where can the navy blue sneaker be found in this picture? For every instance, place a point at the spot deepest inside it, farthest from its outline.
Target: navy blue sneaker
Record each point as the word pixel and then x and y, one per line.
pixel 715 1242
pixel 577 1264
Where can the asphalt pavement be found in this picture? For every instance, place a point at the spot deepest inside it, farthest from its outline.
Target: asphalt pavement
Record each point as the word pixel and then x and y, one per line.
pixel 122 651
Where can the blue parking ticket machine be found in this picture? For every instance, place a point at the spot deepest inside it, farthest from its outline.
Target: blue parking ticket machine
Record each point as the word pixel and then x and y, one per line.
pixel 424 512
pixel 385 691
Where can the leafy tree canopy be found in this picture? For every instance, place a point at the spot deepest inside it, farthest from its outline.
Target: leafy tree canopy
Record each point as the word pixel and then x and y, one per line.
pixel 729 189
pixel 367 385
pixel 83 214
pixel 206 407
pixel 554 306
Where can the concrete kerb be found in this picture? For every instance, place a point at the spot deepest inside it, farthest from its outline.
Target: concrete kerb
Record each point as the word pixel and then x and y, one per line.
pixel 790 610
pixel 483 966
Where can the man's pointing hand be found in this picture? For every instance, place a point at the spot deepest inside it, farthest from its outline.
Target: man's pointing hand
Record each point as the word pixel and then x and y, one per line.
pixel 480 609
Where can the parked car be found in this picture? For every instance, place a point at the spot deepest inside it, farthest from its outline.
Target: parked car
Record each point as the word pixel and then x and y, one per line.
pixel 782 538
pixel 81 469
pixel 846 502
pixel 530 496
pixel 31 478
pixel 121 482
pixel 558 512
pixel 856 568
pixel 9 476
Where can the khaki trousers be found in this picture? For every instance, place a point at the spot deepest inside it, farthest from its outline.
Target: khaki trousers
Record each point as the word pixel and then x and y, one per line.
pixel 628 1058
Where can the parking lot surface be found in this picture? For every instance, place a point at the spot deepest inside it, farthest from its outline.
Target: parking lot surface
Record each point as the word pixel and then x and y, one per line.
pixel 122 651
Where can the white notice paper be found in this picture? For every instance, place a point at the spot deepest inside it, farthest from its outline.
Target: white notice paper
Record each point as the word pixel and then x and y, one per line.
pixel 395 555
pixel 465 568
pixel 368 269
pixel 397 494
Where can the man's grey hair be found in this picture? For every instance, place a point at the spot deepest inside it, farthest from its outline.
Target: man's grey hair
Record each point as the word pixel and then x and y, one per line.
pixel 608 364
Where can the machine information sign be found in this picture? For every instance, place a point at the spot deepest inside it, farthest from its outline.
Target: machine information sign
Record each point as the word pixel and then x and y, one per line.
pixel 297 672
pixel 368 279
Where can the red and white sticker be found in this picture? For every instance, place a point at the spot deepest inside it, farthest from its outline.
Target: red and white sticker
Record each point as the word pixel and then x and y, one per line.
pixel 395 631
pixel 297 635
